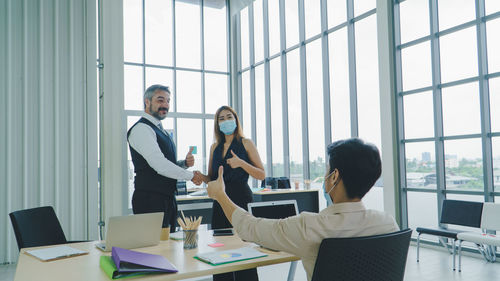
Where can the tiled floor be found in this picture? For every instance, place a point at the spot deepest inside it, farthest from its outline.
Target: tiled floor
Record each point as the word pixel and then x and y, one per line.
pixel 434 265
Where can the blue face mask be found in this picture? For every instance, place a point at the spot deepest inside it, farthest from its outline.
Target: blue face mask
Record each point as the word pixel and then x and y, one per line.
pixel 327 196
pixel 227 127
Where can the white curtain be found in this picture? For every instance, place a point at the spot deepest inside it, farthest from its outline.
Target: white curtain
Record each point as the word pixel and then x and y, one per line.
pixel 48 115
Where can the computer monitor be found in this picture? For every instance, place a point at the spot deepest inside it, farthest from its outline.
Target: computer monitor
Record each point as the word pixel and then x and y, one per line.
pixel 273 209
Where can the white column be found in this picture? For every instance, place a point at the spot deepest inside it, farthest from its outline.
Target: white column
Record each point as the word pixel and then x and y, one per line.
pixel 112 130
pixel 388 115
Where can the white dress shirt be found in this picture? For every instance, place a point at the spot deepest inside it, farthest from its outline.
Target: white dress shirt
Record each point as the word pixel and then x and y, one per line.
pixel 301 235
pixel 142 138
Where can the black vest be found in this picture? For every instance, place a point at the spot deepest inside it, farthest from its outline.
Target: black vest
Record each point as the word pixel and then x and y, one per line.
pixel 146 178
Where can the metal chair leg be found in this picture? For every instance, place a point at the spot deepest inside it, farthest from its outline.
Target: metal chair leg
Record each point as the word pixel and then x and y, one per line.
pixel 459 255
pixel 454 247
pixel 418 247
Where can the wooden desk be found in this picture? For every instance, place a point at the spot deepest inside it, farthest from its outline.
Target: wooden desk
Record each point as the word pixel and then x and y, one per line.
pixel 87 267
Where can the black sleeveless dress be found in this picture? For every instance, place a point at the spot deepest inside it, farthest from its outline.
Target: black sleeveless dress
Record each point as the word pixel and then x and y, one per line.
pixel 236 181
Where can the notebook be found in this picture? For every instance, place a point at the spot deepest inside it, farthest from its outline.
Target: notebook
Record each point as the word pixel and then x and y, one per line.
pixel 133 231
pixel 273 209
pixel 228 256
pixel 55 253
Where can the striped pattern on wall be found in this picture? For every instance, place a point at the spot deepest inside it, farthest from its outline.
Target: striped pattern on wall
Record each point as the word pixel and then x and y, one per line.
pixel 47 116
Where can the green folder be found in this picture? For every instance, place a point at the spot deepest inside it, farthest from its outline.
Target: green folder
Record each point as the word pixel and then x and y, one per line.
pixel 108 265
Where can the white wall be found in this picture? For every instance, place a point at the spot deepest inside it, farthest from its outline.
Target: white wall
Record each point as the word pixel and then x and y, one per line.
pixel 48 115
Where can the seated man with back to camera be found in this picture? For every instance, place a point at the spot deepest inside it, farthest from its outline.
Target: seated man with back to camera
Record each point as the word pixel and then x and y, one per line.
pixel 353 168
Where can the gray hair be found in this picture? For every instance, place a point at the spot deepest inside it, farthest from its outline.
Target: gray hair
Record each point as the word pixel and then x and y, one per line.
pixel 150 92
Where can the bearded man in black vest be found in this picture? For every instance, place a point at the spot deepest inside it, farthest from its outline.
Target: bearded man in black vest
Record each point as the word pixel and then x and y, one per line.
pixel 155 160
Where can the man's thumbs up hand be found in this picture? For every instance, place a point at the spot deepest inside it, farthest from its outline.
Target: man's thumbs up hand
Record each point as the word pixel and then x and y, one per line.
pixel 190 157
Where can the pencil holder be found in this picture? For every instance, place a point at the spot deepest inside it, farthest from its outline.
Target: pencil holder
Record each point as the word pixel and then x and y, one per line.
pixel 190 238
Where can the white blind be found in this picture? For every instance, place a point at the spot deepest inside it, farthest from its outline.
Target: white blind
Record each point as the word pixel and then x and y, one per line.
pixel 48 115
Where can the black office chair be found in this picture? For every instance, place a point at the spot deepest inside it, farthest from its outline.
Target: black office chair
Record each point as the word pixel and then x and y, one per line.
pixel 380 257
pixel 457 212
pixel 37 227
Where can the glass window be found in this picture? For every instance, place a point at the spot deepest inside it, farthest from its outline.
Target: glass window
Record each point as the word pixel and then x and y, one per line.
pixel 418 115
pixel 495 143
pixel 492 6
pixel 414 19
pixel 463 164
pixel 416 66
pixel 312 10
pixel 215 92
pixel 247 104
pixel 159 76
pixel 294 116
pixel 316 115
pixel 158 32
pixel 367 80
pixel 215 37
pixel 188 94
pixel 132 31
pixel 461 110
pixel 420 165
pixel 260 118
pixel 292 22
pixel 339 84
pixel 244 28
pixel 337 12
pixel 274 26
pixel 455 12
pixel 276 117
pixel 363 6
pixel 458 55
pixel 492 31
pixel 422 212
pixel 258 30
pixel 133 87
pixel 374 199
pixel 189 133
pixel 187 33
pixel 495 104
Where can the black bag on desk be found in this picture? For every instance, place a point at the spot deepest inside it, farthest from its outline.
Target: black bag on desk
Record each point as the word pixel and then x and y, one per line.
pixel 283 183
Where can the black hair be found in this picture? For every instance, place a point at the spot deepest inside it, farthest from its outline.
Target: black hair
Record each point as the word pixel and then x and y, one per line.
pixel 358 163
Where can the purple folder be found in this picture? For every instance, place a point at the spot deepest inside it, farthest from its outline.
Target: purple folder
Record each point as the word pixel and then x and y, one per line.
pixel 133 261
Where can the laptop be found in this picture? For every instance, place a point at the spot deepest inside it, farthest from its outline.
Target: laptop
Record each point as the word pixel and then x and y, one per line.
pixel 134 231
pixel 273 209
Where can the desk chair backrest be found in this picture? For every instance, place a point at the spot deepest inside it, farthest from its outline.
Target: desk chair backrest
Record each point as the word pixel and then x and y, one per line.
pixel 490 218
pixel 379 257
pixel 464 213
pixel 37 227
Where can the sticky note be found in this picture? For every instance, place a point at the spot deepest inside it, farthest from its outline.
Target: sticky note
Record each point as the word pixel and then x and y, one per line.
pixel 215 245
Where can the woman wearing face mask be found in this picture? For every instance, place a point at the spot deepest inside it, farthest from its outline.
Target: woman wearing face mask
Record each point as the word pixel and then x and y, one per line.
pixel 240 158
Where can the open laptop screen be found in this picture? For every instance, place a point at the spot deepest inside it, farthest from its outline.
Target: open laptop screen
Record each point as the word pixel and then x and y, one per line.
pixel 273 209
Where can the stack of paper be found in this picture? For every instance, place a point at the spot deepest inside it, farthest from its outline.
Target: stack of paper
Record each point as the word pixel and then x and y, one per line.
pixel 126 263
